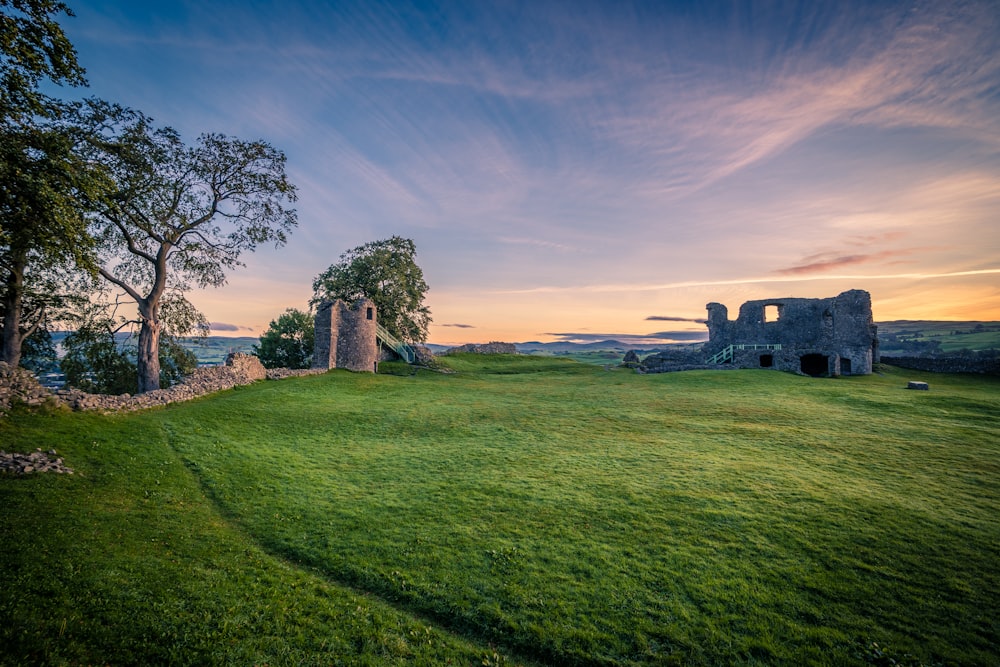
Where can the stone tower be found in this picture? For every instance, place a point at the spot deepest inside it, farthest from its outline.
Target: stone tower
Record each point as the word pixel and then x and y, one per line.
pixel 346 336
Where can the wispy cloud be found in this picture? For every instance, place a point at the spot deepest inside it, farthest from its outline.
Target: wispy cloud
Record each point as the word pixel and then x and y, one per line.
pixel 225 326
pixel 457 326
pixel 828 261
pixel 650 287
pixel 630 338
pixel 668 318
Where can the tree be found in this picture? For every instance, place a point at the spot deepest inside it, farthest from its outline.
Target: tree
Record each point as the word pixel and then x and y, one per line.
pixel 33 48
pixel 179 216
pixel 101 357
pixel 43 182
pixel 45 187
pixel 288 341
pixel 386 272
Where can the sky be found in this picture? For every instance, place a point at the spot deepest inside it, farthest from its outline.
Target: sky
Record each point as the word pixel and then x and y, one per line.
pixel 589 170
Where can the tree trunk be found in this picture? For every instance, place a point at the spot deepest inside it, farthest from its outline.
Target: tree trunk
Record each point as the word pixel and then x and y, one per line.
pixel 149 353
pixel 12 306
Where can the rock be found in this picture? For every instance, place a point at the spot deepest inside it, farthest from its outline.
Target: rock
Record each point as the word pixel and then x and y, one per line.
pixel 37 461
pixel 921 386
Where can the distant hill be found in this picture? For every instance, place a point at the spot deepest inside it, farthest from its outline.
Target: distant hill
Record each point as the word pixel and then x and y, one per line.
pixel 895 337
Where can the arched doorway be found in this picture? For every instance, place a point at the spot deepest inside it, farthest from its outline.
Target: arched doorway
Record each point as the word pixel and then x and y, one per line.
pixel 815 365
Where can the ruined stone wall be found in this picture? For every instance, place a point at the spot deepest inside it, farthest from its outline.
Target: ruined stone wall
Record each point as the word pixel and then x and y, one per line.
pixel 840 329
pixel 493 347
pixel 19 385
pixel 346 336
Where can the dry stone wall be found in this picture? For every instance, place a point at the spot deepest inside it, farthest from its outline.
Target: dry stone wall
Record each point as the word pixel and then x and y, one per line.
pixel 982 363
pixel 19 385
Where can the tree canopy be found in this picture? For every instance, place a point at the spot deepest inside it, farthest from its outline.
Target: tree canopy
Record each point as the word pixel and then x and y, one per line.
pixel 33 48
pixel 386 272
pixel 44 183
pixel 288 341
pixel 179 216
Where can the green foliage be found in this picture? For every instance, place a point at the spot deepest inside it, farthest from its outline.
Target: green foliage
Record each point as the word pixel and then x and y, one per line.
pixel 38 353
pixel 44 244
pixel 179 216
pixel 386 272
pixel 33 48
pixel 95 363
pixel 288 341
pixel 100 360
pixel 176 361
pixel 43 180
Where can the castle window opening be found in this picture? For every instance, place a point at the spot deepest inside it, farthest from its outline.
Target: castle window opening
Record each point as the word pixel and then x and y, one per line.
pixel 815 365
pixel 772 312
pixel 766 360
pixel 369 314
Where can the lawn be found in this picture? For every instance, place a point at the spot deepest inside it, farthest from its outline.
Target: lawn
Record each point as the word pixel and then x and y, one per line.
pixel 520 510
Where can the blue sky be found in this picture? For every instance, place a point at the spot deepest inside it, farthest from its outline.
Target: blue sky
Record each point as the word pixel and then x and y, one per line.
pixel 586 169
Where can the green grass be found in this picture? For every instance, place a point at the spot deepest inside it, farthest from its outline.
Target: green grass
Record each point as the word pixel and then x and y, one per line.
pixel 527 507
pixel 952 336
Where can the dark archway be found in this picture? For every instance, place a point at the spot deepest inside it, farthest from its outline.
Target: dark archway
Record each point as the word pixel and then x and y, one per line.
pixel 815 365
pixel 766 360
pixel 845 366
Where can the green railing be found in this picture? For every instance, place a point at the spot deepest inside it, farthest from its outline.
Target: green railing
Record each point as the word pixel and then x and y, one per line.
pixel 726 354
pixel 405 352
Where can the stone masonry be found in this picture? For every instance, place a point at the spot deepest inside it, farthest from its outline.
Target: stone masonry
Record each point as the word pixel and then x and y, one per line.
pixel 18 385
pixel 820 337
pixel 346 336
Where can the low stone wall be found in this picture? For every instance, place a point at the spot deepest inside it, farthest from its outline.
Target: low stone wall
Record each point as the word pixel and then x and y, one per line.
pixel 19 385
pixel 493 347
pixel 975 363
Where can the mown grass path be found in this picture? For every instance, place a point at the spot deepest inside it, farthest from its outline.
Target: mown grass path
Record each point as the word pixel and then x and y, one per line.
pixel 570 514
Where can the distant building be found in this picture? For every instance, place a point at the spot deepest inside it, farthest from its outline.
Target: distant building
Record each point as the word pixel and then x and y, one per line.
pixel 819 337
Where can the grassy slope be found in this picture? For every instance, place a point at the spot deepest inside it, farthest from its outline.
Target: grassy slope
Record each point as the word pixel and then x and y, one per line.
pixel 567 512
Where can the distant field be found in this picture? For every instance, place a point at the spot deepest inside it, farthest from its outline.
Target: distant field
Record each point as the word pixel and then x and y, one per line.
pixel 522 510
pixel 213 349
pixel 951 336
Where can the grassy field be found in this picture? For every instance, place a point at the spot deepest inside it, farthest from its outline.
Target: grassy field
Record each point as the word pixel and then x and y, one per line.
pixel 951 336
pixel 522 510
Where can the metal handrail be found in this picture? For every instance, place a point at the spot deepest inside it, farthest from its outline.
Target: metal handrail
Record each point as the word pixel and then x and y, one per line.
pixel 726 354
pixel 405 352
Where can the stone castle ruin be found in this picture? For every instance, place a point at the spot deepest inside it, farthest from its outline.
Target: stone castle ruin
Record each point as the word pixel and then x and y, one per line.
pixel 818 337
pixel 349 336
pixel 346 336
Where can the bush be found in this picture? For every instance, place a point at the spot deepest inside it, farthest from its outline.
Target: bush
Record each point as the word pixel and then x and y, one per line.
pixel 288 342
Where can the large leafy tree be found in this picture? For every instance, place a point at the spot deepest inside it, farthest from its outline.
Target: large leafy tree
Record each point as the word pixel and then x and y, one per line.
pixel 386 272
pixel 288 341
pixel 33 49
pixel 45 187
pixel 179 216
pixel 43 181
